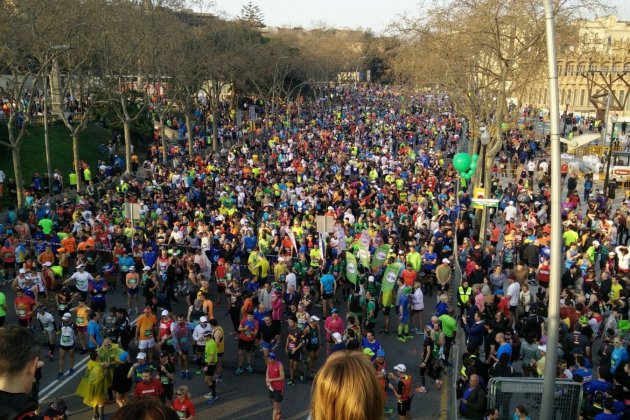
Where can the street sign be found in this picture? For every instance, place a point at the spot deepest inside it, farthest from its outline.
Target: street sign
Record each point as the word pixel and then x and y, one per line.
pixel 485 202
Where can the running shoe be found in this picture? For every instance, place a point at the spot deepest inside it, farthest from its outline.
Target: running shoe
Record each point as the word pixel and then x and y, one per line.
pixel 209 395
pixel 213 399
pixel 183 374
pixel 249 369
pixel 188 375
pixel 389 410
pixel 59 375
pixel 239 370
pixel 198 371
pixel 71 371
pixel 290 383
pixel 302 378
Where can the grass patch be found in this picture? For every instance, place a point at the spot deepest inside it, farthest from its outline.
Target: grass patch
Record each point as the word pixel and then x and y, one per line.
pixel 33 153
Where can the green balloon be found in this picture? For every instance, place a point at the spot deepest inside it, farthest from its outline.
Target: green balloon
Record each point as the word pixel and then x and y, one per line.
pixel 461 162
pixel 473 166
pixel 475 157
pixel 466 175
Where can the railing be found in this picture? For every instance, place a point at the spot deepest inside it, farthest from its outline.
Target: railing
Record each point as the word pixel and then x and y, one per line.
pixel 505 394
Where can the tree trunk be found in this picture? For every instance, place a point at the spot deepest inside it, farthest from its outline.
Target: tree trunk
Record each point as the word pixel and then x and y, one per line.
pixel 163 140
pixel 189 133
pixel 127 132
pixel 75 155
pixel 215 106
pixel 17 169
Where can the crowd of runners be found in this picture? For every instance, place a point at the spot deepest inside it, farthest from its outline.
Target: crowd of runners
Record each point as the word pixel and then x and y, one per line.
pixel 239 230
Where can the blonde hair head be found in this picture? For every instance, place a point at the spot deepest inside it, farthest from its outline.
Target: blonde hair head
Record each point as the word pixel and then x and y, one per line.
pixel 184 390
pixel 346 388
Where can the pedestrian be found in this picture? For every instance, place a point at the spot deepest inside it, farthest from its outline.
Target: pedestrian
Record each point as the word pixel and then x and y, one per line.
pixel 67 342
pixel 19 355
pixel 121 382
pixel 293 348
pixel 274 379
pixel 93 388
pixel 473 402
pixel 183 405
pixel 345 388
pixel 402 390
pixel 148 387
pixel 210 369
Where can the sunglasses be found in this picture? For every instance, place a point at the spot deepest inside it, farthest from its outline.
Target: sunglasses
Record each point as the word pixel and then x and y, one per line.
pixel 179 394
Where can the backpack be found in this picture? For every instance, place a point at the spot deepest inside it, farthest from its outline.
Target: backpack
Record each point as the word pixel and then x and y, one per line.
pixel 355 304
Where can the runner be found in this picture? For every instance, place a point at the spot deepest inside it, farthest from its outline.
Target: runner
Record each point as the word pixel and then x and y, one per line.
pixel 148 387
pixel 312 339
pixel 402 390
pixel 199 337
pixel 210 358
pixel 274 378
pixel 293 347
pixel 248 330
pixel 183 404
pixel 146 328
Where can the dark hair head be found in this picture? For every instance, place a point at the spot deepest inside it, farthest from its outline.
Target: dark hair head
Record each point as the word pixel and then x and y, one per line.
pixel 145 409
pixel 17 348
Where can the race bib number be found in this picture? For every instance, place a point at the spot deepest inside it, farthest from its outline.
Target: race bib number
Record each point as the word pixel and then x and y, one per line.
pixel 148 333
pixel 21 312
pixel 80 320
pixel 164 380
pixel 62 306
pixel 181 414
pixel 66 340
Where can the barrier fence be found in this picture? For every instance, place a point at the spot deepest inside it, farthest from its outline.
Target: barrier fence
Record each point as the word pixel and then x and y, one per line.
pixel 505 394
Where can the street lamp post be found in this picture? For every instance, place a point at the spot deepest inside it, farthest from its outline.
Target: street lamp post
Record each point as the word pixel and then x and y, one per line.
pixel 484 140
pixel 46 138
pixel 613 121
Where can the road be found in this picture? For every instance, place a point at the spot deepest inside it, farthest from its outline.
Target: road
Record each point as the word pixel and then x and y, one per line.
pixel 243 396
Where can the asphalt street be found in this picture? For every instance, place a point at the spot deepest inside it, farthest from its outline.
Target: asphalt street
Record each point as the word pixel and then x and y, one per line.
pixel 243 396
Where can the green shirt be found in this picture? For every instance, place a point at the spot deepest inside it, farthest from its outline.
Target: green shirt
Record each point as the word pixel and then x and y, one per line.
pixel 3 302
pixel 211 352
pixel 46 225
pixel 371 308
pixel 449 324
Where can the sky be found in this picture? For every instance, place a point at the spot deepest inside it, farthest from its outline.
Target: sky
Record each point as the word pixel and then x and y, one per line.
pixel 368 14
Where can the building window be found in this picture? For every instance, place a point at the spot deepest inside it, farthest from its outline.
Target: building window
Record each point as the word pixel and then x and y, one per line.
pixel 582 97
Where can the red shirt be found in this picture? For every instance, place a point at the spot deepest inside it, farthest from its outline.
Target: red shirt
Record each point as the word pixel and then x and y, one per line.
pixel 409 276
pixel 24 306
pixel 184 409
pixel 273 371
pixel 152 389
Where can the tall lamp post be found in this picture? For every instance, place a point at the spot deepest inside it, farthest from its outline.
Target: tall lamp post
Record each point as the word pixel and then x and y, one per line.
pixel 613 120
pixel 485 140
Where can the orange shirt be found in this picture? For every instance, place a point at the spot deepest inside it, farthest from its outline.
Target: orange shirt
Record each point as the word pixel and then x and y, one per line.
pixel 47 256
pixel 82 316
pixel 145 325
pixel 409 276
pixel 69 243
pixel 209 307
pixel 248 306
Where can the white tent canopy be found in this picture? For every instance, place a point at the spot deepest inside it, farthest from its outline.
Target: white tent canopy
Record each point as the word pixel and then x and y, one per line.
pixel 580 141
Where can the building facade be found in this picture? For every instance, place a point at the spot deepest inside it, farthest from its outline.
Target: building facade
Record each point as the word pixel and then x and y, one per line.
pixel 601 61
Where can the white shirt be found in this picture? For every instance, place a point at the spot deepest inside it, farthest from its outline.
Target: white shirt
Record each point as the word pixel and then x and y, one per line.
pixel 47 320
pixel 510 212
pixel 199 332
pixel 513 291
pixel 291 280
pixel 81 280
pixel 417 300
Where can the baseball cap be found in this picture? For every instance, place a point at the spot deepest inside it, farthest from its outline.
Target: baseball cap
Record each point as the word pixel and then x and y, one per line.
pixel 22 271
pixel 380 352
pixel 146 268
pixel 164 312
pixel 446 261
pixel 141 355
pixel 371 279
pixel 315 318
pixel 337 337
pixel 272 356
pixel 368 351
pixel 543 348
pixel 67 315
pixel 595 243
pixel 80 266
pixel 400 368
pixel 334 311
pixel 203 319
pixel 47 264
pixel 163 354
pixel 123 357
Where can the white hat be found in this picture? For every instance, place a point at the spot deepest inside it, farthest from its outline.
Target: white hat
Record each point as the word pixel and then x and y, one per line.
pixel 315 318
pixel 22 271
pixel 132 268
pixel 337 337
pixel 203 319
pixel 595 243
pixel 543 348
pixel 511 203
pixel 371 279
pixel 400 368
pixel 446 261
pixel 47 264
pixel 67 315
pixel 146 268
pixel 80 266
pixel 164 312
pixel 141 355
pixel 330 208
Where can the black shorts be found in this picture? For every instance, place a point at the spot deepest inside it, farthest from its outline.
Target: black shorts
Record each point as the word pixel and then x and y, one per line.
pixel 513 308
pixel 67 348
pixel 83 294
pixel 200 349
pixel 370 325
pixel 297 356
pixel 23 322
pixel 275 395
pixel 211 370
pixel 245 345
pixel 220 355
pixel 386 310
pixel 220 288
pixel 328 296
pixel 98 306
pixel 404 406
pixel 311 348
